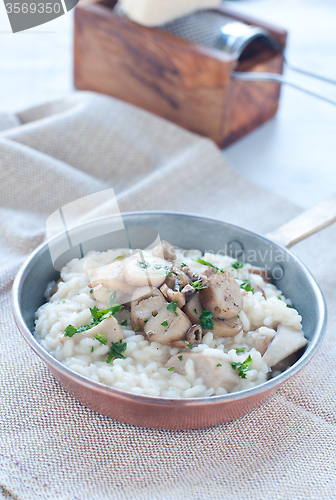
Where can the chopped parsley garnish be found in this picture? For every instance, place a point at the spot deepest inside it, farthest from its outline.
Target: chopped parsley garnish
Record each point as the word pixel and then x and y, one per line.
pixel 63 301
pixel 98 315
pixel 180 358
pixel 162 269
pixel 240 349
pixel 137 328
pixel 288 305
pixel 198 285
pixel 91 291
pixel 145 321
pixel 195 311
pixel 183 265
pixel 219 365
pixel 246 285
pixel 116 351
pixel 119 256
pixel 92 349
pixel 101 338
pixel 124 323
pixel 171 369
pixel 164 323
pixel 237 264
pixel 206 321
pixel 172 306
pixel 243 367
pixel 143 264
pixel 279 297
pixel 205 263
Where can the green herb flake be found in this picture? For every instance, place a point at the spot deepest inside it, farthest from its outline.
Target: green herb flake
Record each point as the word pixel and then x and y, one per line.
pixel 218 365
pixel 205 263
pixel 240 349
pixel 124 323
pixel 291 307
pixel 198 285
pixel 145 321
pixel 183 265
pixel 164 323
pixel 195 311
pixel 237 264
pixel 92 349
pixel 172 306
pixel 101 338
pixel 180 358
pixel 246 285
pixel 137 328
pixel 143 264
pixel 91 291
pixel 243 367
pixel 98 315
pixel 119 256
pixel 116 351
pixel 206 321
pixel 171 368
pixel 279 297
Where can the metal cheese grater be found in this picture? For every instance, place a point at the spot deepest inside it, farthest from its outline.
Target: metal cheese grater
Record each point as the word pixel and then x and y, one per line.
pixel 214 30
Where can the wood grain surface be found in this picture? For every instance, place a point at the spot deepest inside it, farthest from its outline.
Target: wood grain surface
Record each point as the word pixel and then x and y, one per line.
pixel 183 82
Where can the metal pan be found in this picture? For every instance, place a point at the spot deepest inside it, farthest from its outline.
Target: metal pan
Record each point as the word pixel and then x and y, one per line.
pixel 186 231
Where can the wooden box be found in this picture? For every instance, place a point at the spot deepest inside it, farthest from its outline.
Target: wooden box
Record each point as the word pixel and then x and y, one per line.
pixel 186 83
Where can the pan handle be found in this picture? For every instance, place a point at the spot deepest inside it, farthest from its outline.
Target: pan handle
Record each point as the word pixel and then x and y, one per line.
pixel 305 224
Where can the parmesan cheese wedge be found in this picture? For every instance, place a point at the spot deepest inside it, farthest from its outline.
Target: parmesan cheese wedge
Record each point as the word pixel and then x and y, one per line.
pixel 157 12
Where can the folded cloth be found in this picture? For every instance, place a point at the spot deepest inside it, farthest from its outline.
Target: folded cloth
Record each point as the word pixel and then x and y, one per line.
pixel 51 446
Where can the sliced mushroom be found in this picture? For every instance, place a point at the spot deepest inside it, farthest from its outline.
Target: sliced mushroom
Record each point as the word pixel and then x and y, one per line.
pixel 102 294
pixel 263 339
pixel 152 271
pixel 142 311
pixel 188 292
pixel 198 271
pixel 258 289
pixel 226 328
pixel 172 295
pixel 177 279
pixel 214 371
pixel 109 327
pixel 144 292
pixel 104 275
pixel 261 272
pixel 194 334
pixel 193 308
pixel 164 250
pixel 54 288
pixel 167 326
pixel 286 342
pixel 222 296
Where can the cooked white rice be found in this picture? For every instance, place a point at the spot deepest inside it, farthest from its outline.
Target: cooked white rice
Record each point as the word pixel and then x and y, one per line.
pixel 143 371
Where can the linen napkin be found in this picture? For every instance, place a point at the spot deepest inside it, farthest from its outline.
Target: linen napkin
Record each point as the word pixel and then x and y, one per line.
pixel 51 446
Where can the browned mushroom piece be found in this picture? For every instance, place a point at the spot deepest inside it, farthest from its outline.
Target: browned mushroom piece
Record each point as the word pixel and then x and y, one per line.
pixel 194 334
pixel 214 371
pixel 226 327
pixel 177 279
pixel 151 271
pixel 145 304
pixel 194 308
pixel 222 296
pixel 197 271
pixel 55 287
pixel 188 292
pixel 180 344
pixel 172 295
pixel 164 250
pixel 286 342
pixel 258 289
pixel 261 272
pixel 167 326
pixel 102 294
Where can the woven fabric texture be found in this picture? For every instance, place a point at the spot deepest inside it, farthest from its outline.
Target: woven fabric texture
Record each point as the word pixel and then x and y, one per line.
pixel 51 446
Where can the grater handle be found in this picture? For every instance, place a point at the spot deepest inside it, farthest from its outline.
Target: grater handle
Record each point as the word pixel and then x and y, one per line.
pixel 273 77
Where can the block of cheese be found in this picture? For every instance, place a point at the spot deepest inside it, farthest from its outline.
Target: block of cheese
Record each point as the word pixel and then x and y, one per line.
pixel 158 12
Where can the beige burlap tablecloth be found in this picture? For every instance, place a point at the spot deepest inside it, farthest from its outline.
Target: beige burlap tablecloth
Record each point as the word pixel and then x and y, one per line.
pixel 51 446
